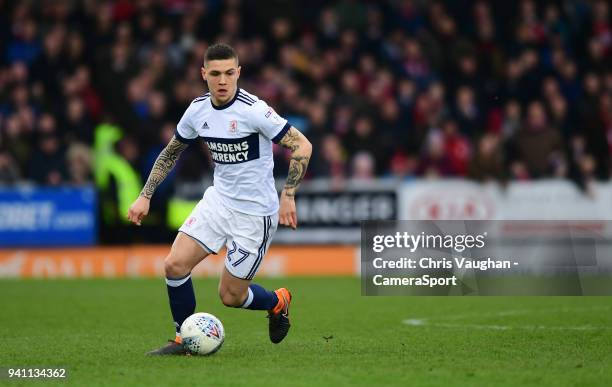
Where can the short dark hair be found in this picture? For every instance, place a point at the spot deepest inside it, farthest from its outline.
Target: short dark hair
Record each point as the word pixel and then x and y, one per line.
pixel 220 51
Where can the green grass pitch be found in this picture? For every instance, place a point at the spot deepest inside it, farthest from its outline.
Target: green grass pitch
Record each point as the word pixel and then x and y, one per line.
pixel 100 330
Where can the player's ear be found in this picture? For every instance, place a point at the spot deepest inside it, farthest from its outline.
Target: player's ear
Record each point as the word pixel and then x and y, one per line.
pixel 203 72
pixel 238 72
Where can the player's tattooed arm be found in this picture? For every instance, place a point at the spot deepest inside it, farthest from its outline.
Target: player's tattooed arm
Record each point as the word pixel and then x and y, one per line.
pixel 163 165
pixel 301 150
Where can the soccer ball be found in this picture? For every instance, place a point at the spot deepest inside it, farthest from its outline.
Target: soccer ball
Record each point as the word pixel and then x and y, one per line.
pixel 202 334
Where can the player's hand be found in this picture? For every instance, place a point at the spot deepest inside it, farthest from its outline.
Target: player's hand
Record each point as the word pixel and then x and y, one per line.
pixel 138 210
pixel 287 215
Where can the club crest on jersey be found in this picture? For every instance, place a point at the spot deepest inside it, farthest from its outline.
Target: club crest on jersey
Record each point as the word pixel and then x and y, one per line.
pixel 233 126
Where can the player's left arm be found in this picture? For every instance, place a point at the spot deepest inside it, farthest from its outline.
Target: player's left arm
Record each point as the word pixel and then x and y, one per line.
pixel 301 150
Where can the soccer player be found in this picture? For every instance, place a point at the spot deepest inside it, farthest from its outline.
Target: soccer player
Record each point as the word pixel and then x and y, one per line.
pixel 241 209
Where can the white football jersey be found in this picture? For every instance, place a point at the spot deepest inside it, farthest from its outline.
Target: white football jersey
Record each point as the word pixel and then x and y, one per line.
pixel 239 136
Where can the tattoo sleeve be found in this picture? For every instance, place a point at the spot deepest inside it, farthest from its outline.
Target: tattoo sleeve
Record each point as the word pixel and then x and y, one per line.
pixel 300 156
pixel 163 165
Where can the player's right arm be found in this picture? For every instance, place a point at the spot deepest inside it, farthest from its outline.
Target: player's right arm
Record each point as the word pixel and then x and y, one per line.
pixel 162 167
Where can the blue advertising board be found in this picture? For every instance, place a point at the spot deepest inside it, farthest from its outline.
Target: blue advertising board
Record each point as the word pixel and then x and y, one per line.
pixel 37 217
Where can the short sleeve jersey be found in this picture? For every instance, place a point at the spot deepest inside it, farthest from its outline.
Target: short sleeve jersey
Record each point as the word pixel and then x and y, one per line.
pixel 239 136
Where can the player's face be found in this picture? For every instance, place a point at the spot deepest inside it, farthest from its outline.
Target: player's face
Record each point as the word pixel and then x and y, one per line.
pixel 221 75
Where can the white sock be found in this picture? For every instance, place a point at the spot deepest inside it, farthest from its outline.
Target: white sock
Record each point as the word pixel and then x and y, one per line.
pixel 248 300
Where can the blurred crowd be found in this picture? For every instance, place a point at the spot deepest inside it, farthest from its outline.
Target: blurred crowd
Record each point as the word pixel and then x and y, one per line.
pixel 487 90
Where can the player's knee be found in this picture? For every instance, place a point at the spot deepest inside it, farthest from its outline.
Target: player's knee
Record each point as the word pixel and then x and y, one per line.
pixel 174 268
pixel 231 298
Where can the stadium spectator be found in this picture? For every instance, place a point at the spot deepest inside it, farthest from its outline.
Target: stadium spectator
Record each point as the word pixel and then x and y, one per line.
pixel 402 166
pixel 434 161
pixel 9 172
pixel 47 165
pixel 488 164
pixel 363 166
pixel 330 159
pixel 79 160
pixel 538 148
pixel 457 148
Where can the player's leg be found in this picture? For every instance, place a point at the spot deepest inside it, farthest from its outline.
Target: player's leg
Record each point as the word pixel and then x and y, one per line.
pixel 246 248
pixel 184 255
pixel 197 237
pixel 241 293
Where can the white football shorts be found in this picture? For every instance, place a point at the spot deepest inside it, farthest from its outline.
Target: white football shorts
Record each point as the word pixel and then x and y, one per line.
pixel 247 237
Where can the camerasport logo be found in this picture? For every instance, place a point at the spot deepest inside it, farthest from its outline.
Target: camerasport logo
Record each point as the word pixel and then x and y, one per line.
pixel 448 206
